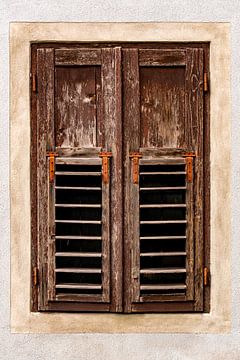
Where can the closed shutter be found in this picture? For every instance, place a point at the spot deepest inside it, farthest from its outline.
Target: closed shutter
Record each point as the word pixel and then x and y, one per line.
pixel 78 96
pixel 119 177
pixel 163 119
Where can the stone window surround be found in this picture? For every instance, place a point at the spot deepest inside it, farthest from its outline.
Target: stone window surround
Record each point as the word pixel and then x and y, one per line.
pixel 219 318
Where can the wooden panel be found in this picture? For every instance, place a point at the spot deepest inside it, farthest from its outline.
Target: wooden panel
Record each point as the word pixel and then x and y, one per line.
pixel 154 57
pixel 112 135
pixel 131 113
pixel 194 115
pixel 75 108
pixel 78 56
pixel 45 116
pixel 162 106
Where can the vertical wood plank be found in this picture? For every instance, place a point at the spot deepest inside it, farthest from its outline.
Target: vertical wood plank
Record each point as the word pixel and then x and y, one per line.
pixel 194 118
pixel 34 200
pixel 75 106
pixel 106 238
pixel 111 93
pixel 45 118
pixel 189 240
pixel 131 141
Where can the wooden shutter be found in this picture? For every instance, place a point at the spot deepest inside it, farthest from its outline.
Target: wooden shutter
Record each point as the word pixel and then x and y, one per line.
pixel 163 142
pixel 78 97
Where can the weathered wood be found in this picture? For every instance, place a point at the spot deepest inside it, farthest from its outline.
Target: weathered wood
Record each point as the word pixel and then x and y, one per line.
pixel 131 141
pixel 70 237
pixel 163 222
pixel 77 173
pixel 78 254
pixel 78 161
pixel 165 253
pixel 162 287
pixel 194 118
pixel 162 271
pixel 80 299
pixel 162 91
pixel 79 205
pixel 79 221
pixel 88 152
pixel 33 176
pixel 112 130
pixel 162 237
pixel 106 239
pixel 163 188
pixel 162 206
pixel 79 270
pixel 78 188
pixel 45 116
pixel 75 106
pixel 166 57
pixel 79 286
pixel 78 56
pixel 162 161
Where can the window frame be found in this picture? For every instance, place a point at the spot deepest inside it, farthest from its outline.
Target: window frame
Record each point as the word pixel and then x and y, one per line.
pixel 116 301
pixel 21 36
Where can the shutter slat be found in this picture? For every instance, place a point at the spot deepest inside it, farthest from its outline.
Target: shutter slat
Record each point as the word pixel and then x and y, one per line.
pixel 163 287
pixel 79 270
pixel 164 222
pixel 78 188
pixel 180 253
pixel 71 237
pixel 164 173
pixel 79 205
pixel 162 206
pixel 79 286
pixel 78 254
pixel 78 221
pixel 162 237
pixel 162 271
pixel 77 173
pixel 160 188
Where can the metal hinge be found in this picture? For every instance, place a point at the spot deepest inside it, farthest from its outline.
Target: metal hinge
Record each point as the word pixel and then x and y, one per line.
pixel 135 156
pixel 105 165
pixel 205 82
pixel 35 276
pixel 189 164
pixel 51 155
pixel 34 82
pixel 206 276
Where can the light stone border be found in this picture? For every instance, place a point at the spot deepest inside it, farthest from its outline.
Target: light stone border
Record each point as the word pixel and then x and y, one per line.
pixel 219 319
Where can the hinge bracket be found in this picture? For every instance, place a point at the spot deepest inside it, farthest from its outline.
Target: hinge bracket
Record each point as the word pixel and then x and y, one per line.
pixel 51 155
pixel 34 82
pixel 105 165
pixel 35 276
pixel 135 156
pixel 189 164
pixel 205 82
pixel 206 276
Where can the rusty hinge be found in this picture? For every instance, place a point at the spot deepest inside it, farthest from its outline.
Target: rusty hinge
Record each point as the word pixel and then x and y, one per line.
pixel 51 155
pixel 35 276
pixel 189 164
pixel 34 82
pixel 135 156
pixel 105 165
pixel 205 82
pixel 206 276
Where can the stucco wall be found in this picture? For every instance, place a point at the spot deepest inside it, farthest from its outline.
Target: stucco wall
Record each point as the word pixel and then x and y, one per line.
pixel 106 346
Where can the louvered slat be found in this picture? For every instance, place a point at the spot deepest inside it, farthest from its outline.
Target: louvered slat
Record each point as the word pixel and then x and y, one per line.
pixel 163 223
pixel 79 205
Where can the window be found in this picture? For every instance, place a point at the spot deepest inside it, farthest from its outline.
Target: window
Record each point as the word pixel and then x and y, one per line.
pixel 120 177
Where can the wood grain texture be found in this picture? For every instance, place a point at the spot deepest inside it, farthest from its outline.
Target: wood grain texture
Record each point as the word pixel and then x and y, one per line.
pixel 111 97
pixel 78 56
pixel 194 114
pixel 131 121
pixel 75 106
pixel 45 116
pixel 162 92
pixel 166 57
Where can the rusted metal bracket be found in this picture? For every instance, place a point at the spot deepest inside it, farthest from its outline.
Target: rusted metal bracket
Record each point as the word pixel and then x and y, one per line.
pixel 205 82
pixel 35 276
pixel 189 164
pixel 105 165
pixel 34 82
pixel 206 276
pixel 51 155
pixel 135 156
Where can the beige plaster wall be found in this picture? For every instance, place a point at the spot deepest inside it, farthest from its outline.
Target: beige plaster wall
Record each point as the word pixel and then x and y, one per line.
pixel 219 319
